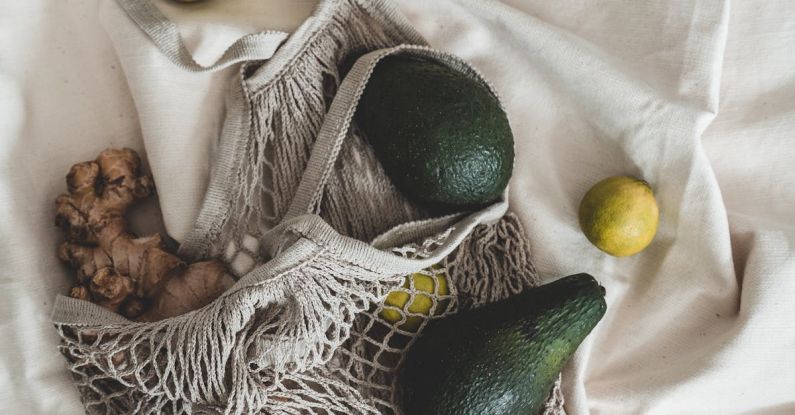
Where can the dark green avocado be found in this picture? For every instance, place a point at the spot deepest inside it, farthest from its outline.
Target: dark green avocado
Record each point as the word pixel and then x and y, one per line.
pixel 504 357
pixel 440 135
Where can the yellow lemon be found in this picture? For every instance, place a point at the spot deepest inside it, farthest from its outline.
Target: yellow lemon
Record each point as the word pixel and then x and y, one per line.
pixel 619 215
pixel 396 301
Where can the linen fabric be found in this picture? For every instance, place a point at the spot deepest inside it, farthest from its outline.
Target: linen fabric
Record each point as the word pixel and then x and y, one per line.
pixel 693 96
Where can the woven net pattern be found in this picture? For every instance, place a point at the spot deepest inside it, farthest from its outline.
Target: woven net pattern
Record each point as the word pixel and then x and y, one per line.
pixel 307 329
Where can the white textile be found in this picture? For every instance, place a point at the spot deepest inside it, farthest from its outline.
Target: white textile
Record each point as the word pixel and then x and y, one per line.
pixel 695 96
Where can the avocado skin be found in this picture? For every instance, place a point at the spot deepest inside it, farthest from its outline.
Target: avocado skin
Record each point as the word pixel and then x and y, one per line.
pixel 441 136
pixel 504 357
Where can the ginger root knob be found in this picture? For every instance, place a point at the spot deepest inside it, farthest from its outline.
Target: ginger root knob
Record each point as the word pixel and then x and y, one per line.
pixel 134 276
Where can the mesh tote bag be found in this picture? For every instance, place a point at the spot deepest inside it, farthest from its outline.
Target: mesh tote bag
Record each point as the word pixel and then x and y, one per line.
pixel 305 217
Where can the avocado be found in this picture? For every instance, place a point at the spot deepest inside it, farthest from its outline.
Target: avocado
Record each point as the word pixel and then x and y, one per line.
pixel 502 358
pixel 440 135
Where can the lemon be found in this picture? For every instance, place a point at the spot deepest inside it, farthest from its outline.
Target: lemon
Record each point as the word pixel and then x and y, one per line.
pixel 396 301
pixel 619 215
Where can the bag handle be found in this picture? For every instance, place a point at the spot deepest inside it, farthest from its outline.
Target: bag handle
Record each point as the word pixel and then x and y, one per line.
pixel 165 35
pixel 300 220
pixel 340 115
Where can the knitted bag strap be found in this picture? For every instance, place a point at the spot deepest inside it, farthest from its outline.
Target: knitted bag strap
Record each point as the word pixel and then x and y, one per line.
pixel 165 35
pixel 300 218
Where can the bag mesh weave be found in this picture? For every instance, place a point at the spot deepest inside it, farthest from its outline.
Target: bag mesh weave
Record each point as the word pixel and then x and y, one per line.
pixel 301 332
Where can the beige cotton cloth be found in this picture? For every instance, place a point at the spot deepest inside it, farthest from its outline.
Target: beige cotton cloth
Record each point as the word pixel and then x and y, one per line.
pixel 694 96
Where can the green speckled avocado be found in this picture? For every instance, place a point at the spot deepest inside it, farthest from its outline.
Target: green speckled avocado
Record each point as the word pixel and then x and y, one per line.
pixel 441 136
pixel 502 358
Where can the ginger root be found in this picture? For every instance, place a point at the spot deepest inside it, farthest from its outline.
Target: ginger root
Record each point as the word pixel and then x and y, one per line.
pixel 135 277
